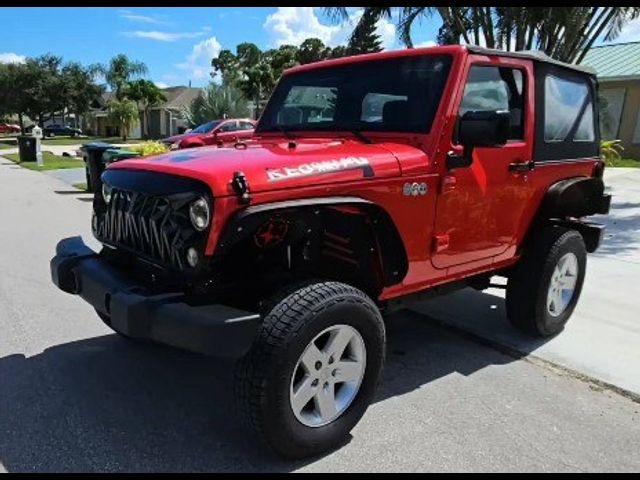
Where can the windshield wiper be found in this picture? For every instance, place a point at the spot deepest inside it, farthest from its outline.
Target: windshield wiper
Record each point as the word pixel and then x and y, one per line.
pixel 361 136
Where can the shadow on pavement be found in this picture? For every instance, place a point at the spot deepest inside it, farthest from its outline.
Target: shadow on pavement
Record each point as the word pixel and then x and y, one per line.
pixel 108 404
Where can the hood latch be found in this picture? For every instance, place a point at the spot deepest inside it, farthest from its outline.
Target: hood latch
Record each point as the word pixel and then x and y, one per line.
pixel 240 185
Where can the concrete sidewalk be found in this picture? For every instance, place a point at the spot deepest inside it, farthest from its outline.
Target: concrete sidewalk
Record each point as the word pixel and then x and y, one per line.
pixel 602 339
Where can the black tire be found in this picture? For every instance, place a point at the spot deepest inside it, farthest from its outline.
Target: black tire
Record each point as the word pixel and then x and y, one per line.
pixel 530 280
pixel 263 377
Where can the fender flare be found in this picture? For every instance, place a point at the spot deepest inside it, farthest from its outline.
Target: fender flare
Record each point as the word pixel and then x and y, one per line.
pixel 393 255
pixel 575 197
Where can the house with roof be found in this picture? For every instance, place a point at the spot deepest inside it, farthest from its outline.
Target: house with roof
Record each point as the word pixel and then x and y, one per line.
pixel 618 70
pixel 165 119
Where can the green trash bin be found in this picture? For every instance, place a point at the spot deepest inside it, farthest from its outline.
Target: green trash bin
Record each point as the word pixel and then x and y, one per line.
pixel 94 164
pixel 117 154
pixel 27 148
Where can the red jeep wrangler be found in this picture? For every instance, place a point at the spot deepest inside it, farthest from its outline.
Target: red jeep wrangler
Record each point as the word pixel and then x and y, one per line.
pixel 372 180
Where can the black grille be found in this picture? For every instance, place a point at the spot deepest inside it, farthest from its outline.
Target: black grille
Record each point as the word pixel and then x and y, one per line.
pixel 147 219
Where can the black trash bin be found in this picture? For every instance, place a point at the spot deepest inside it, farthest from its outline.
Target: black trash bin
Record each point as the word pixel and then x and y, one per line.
pixel 94 163
pixel 27 148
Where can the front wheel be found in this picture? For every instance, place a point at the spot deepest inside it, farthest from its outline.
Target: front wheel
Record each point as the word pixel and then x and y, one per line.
pixel 545 286
pixel 313 370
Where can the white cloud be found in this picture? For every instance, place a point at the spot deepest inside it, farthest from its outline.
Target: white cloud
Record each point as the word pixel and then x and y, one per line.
pixel 161 84
pixel 428 43
pixel 163 36
pixel 10 57
pixel 293 25
pixel 198 63
pixel 134 17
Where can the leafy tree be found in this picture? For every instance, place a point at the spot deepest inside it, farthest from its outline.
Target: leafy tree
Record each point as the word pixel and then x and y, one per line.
pixel 123 113
pixel 226 64
pixel 254 72
pixel 281 58
pixel 339 51
pixel 216 101
pixel 43 87
pixel 119 72
pixel 146 94
pixel 364 38
pixel 312 50
pixel 564 33
pixel 79 89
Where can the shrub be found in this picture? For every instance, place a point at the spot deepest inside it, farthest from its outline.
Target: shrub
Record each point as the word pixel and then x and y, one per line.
pixel 610 151
pixel 149 148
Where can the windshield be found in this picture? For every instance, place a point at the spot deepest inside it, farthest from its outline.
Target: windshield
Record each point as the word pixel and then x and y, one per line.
pixel 391 95
pixel 206 127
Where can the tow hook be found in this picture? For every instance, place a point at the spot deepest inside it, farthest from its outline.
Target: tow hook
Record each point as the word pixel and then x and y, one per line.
pixel 241 187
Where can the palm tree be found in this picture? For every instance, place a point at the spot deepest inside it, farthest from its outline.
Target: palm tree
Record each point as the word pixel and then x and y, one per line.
pixel 123 113
pixel 146 94
pixel 119 72
pixel 564 33
pixel 215 102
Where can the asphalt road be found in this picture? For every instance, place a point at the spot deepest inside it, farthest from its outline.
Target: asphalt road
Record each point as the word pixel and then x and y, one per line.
pixel 74 397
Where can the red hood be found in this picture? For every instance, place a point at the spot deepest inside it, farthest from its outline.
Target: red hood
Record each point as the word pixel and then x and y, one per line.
pixel 273 165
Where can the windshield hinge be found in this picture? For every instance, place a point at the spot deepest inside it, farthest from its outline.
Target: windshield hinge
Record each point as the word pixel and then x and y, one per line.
pixel 240 185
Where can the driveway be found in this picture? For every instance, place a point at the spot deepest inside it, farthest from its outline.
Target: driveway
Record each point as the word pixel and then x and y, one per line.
pixel 75 397
pixel 602 339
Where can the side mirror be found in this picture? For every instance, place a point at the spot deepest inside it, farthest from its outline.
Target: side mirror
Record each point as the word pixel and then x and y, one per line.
pixel 480 128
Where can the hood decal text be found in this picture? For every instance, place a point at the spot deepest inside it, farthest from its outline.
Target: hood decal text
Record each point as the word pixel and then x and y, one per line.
pixel 317 168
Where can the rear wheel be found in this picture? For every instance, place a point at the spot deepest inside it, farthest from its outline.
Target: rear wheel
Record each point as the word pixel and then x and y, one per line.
pixel 545 286
pixel 313 370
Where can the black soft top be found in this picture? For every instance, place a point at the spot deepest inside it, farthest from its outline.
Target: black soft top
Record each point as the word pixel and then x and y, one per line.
pixel 535 55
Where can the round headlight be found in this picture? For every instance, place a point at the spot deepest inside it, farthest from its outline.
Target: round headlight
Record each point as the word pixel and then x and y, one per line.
pixel 199 214
pixel 106 193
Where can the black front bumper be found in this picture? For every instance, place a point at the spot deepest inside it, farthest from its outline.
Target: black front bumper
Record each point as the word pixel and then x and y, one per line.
pixel 213 329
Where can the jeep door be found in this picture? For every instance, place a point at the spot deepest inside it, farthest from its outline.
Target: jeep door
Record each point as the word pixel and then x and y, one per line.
pixel 480 207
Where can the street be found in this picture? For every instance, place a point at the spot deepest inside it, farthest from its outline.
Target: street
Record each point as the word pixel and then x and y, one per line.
pixel 75 397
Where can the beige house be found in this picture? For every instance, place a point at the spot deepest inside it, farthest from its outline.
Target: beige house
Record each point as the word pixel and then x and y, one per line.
pixel 618 70
pixel 164 119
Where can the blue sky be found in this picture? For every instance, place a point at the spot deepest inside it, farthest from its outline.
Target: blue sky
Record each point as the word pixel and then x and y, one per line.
pixel 176 43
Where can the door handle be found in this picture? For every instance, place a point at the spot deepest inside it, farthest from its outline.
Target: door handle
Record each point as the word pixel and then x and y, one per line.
pixel 522 167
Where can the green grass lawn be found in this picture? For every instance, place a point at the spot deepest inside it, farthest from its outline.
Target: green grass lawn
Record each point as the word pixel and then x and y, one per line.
pixel 51 162
pixel 626 162
pixel 8 142
pixel 81 186
pixel 81 140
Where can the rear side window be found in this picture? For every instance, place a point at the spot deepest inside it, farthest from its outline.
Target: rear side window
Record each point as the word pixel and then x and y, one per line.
pixel 246 126
pixel 568 111
pixel 229 127
pixel 496 88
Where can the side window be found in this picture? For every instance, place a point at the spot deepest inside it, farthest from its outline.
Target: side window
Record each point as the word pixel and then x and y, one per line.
pixel 496 88
pixel 229 127
pixel 246 126
pixel 373 105
pixel 568 111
